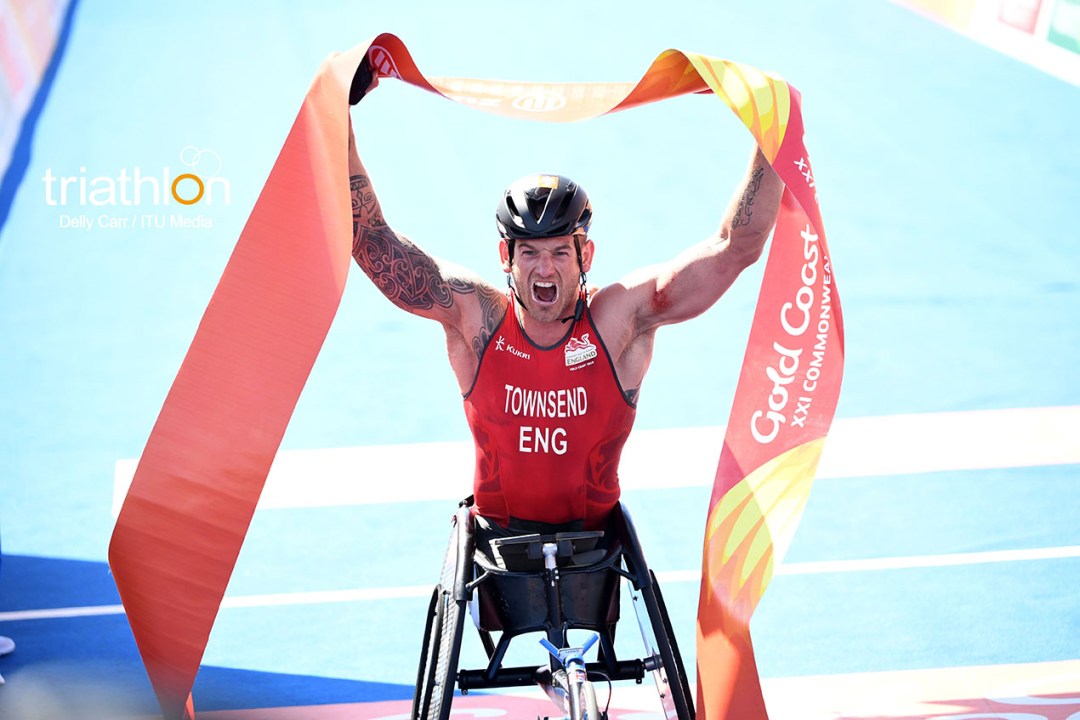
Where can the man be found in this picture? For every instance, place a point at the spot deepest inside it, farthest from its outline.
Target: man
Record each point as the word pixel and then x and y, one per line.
pixel 550 371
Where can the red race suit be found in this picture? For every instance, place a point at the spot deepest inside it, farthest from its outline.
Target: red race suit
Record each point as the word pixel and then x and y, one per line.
pixel 549 425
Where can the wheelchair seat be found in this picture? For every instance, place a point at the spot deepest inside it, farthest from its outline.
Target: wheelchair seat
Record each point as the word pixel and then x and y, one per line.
pixel 523 553
pixel 509 594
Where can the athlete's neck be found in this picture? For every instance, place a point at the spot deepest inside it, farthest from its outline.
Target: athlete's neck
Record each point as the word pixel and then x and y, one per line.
pixel 546 333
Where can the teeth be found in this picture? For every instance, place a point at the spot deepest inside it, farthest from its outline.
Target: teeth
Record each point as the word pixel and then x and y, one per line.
pixel 549 289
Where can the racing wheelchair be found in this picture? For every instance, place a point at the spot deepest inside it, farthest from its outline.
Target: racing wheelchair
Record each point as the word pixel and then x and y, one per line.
pixel 547 584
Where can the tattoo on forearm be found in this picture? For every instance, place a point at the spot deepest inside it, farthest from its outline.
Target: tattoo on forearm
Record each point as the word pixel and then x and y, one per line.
pixel 365 206
pixel 746 203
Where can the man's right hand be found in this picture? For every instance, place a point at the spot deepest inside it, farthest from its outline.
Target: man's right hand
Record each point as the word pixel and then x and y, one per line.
pixel 364 81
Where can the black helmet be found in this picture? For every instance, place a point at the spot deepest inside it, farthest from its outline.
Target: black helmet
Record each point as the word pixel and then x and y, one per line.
pixel 543 206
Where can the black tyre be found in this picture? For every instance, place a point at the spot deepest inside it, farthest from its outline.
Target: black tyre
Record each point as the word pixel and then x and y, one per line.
pixel 435 677
pixel 425 674
pixel 661 653
pixel 674 665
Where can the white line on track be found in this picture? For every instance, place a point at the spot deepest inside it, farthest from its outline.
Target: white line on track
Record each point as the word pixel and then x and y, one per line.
pixel 901 563
pixel 673 576
pixel 681 457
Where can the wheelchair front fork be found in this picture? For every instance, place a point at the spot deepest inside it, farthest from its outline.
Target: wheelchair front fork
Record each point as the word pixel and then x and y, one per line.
pixel 570 677
pixel 556 632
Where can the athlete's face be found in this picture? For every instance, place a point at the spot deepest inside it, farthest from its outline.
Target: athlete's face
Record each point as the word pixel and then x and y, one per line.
pixel 546 274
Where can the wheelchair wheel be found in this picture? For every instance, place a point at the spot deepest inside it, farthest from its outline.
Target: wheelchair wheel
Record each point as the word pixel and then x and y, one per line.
pixel 435 679
pixel 659 640
pixel 676 657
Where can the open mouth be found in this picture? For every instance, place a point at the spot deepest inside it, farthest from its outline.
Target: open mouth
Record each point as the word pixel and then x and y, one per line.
pixel 545 293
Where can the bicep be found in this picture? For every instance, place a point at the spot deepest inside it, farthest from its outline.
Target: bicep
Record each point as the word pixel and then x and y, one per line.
pixel 685 286
pixel 693 281
pixel 411 278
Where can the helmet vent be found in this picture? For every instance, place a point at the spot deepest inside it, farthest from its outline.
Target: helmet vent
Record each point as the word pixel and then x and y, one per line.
pixel 564 207
pixel 514 212
pixel 538 201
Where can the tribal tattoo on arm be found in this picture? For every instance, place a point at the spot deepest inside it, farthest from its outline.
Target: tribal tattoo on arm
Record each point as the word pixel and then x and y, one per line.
pixel 365 206
pixel 403 272
pixel 492 307
pixel 408 276
pixel 746 203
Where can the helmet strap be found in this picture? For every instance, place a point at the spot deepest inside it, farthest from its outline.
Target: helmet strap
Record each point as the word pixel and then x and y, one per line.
pixel 514 292
pixel 579 307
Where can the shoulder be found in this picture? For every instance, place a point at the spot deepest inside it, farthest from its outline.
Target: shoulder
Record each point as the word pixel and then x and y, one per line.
pixel 491 305
pixel 614 310
pixel 625 302
pixel 469 293
pixel 483 308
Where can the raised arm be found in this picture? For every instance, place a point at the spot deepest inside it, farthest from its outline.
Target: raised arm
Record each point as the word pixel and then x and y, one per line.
pixel 693 281
pixel 468 307
pixel 409 277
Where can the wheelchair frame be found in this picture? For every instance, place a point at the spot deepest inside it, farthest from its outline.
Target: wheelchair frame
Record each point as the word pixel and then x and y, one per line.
pixel 516 602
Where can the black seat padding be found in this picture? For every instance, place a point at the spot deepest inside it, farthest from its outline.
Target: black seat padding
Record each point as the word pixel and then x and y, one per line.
pixel 524 553
pixel 513 598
